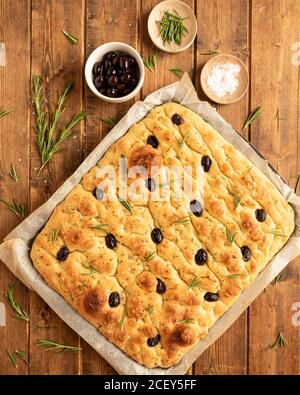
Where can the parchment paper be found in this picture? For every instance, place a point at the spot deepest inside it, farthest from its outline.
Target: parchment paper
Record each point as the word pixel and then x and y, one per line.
pixel 14 251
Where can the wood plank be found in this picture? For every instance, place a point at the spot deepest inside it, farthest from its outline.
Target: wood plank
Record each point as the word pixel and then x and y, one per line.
pixel 223 26
pixel 275 86
pixel 58 62
pixel 108 20
pixel 162 76
pixel 14 148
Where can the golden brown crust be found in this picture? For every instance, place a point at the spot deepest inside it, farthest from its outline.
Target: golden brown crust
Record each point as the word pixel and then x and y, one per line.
pixel 138 290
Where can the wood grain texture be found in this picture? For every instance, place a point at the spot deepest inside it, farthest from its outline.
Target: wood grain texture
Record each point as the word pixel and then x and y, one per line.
pixel 228 355
pixel 14 148
pixel 278 139
pixel 57 61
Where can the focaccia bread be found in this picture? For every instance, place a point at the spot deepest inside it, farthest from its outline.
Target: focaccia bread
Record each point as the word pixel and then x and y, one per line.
pixel 153 276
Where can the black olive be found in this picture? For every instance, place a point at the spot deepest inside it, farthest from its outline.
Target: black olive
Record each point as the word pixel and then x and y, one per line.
pixel 98 193
pixel 120 87
pixel 246 252
pixel 113 80
pixel 111 71
pixel 177 119
pixel 133 82
pixel 152 140
pixel 156 236
pixel 124 62
pixel 106 64
pixel 125 78
pixel 111 92
pixel 62 254
pixel 97 68
pixel 110 55
pixel 150 184
pixel 126 91
pixel 153 341
pixel 110 241
pixel 103 91
pixel 160 287
pixel 196 208
pixel 206 163
pixel 211 297
pixel 201 257
pixel 260 215
pixel 115 60
pixel 98 81
pixel 114 299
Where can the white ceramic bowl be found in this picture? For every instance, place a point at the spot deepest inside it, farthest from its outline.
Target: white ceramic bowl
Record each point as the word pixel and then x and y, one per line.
pixel 98 54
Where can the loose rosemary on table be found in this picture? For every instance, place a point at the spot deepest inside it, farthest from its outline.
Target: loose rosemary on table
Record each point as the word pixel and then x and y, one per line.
pixel 297 183
pixel 21 355
pixel 5 112
pixel 109 121
pixel 278 279
pixel 150 61
pixel 171 28
pixel 253 116
pixel 279 342
pixel 12 358
pixel 20 313
pixel 49 139
pixel 177 71
pixel 13 173
pixel 52 345
pixel 15 207
pixel 210 52
pixel 72 39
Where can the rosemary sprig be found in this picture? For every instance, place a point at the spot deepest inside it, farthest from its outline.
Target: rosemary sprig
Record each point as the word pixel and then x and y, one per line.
pixel 209 52
pixel 49 140
pixel 12 358
pixel 194 283
pixel 278 279
pixel 171 28
pixel 230 236
pixel 150 309
pixel 231 276
pixel 177 71
pixel 13 173
pixel 52 345
pixel 236 201
pixel 279 342
pixel 297 183
pixel 186 321
pixel 100 227
pixel 183 221
pixel 109 121
pixel 54 233
pixel 183 140
pixel 21 355
pixel 20 313
pixel 253 116
pixel 14 207
pixel 150 61
pixel 90 268
pixel 5 112
pixel 72 39
pixel 127 205
pixel 149 256
pixel 277 232
pixel 121 322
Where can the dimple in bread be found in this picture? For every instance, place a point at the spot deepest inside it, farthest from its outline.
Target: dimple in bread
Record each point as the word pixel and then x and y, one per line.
pixel 154 278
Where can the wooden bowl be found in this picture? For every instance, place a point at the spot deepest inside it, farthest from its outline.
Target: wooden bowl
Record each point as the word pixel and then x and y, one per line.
pixel 243 78
pixel 190 23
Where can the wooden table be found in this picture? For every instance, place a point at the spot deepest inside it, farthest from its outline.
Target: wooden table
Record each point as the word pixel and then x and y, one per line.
pixel 263 33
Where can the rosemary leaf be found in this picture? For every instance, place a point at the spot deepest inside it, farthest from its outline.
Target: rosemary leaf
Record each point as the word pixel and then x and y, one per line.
pixel 21 355
pixel 52 345
pixel 253 116
pixel 72 39
pixel 109 121
pixel 99 227
pixel 12 358
pixel 186 321
pixel 177 71
pixel 14 207
pixel 236 201
pixel 20 313
pixel 150 309
pixel 121 322
pixel 90 268
pixel 150 61
pixel 54 233
pixel 297 183
pixel 149 256
pixel 210 52
pixel 230 236
pixel 127 205
pixel 13 173
pixel 183 221
pixel 5 112
pixel 232 276
pixel 278 279
pixel 183 140
pixel 277 232
pixel 280 342
pixel 194 283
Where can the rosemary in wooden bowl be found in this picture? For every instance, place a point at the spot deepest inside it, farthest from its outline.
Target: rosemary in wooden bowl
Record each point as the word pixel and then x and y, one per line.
pixel 171 28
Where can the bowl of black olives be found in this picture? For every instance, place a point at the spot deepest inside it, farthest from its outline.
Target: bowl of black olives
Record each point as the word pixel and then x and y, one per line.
pixel 114 72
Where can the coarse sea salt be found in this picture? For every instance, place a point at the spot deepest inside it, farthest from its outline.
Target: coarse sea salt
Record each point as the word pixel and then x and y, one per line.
pixel 223 79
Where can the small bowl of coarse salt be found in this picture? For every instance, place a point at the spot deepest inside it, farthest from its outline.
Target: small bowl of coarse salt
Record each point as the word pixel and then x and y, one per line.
pixel 225 79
